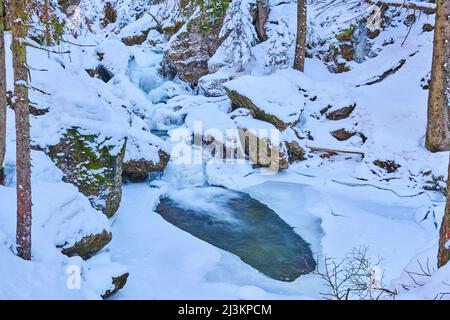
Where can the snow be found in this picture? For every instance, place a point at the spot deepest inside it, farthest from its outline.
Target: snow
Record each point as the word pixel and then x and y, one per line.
pixel 274 95
pixel 334 203
pixel 61 216
pixel 141 25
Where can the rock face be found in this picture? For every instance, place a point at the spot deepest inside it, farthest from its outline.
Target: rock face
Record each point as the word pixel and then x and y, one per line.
pixel 139 170
pixel 88 246
pixel 191 48
pixel 118 283
pixel 260 19
pixel 94 165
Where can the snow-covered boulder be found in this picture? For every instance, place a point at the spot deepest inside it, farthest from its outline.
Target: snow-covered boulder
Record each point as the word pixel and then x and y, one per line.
pixel 211 85
pixel 113 57
pixel 93 163
pixel 276 98
pixel 295 151
pixel 137 32
pixel 88 245
pixel 261 142
pixel 213 128
pixel 144 157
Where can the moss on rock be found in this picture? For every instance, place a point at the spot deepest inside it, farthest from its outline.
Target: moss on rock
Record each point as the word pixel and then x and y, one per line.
pixel 295 152
pixel 240 100
pixel 90 163
pixel 346 34
pixel 88 246
pixel 191 48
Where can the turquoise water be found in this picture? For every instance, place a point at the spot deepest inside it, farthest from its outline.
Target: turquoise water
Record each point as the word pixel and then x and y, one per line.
pixel 237 223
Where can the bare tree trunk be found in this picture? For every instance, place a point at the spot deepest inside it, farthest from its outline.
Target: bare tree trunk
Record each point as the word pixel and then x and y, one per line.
pixel 300 44
pixel 438 133
pixel 19 28
pixel 444 239
pixel 2 94
pixel 48 39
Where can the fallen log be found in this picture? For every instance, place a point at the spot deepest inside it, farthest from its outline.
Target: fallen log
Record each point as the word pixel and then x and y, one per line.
pixel 414 5
pixel 335 151
pixel 383 76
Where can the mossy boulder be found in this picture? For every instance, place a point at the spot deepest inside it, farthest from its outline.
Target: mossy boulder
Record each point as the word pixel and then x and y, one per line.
pixel 191 47
pixel 241 101
pixel 138 170
pixel 118 283
pixel 88 246
pixel 345 34
pixel 93 164
pixel 295 152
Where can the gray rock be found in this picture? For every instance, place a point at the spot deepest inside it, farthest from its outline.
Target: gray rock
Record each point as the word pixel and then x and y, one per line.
pixel 190 49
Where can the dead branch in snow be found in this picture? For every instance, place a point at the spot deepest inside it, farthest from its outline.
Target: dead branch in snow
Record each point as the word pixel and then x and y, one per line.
pixel 335 151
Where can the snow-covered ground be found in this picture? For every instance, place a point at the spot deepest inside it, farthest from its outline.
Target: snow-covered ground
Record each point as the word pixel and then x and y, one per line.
pixel 335 203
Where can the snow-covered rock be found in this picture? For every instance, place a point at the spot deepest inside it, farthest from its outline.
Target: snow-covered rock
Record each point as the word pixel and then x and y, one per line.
pixel 276 98
pixel 136 33
pixel 261 142
pixel 189 50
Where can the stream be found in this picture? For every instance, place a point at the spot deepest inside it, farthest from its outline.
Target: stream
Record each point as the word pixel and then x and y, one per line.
pixel 237 223
pixel 230 220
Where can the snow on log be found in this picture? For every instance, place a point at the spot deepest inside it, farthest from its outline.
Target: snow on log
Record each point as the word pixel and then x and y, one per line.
pixel 415 5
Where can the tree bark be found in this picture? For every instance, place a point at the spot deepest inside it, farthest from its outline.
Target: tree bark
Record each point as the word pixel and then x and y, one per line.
pixel 300 44
pixel 19 28
pixel 2 94
pixel 438 133
pixel 444 238
pixel 48 37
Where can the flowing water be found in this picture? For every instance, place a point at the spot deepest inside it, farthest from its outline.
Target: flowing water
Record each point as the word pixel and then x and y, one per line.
pixel 237 223
pixel 230 220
